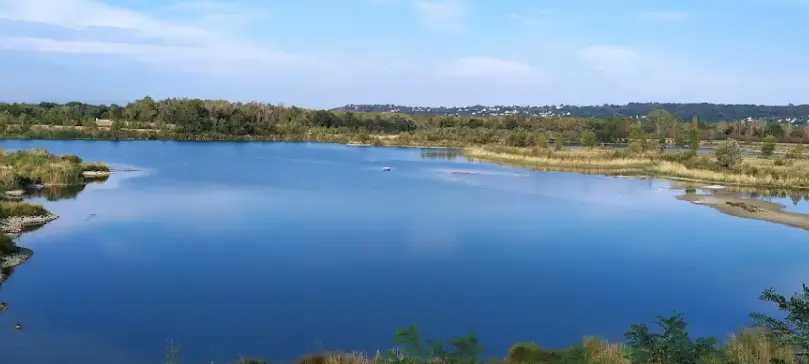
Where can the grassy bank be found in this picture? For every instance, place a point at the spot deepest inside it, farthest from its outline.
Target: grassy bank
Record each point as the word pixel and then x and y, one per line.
pixel 28 171
pixel 769 340
pixel 20 209
pixel 27 168
pixel 751 171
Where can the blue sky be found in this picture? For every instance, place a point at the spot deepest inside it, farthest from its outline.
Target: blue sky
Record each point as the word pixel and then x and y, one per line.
pixel 320 53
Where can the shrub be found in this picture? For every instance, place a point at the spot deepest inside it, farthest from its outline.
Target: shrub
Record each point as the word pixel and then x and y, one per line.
pixel 542 141
pixel 409 349
pixel 769 145
pixel 560 142
pixel 524 353
pixel 588 139
pixel 729 154
pixel 792 331
pixel 795 153
pixel 672 346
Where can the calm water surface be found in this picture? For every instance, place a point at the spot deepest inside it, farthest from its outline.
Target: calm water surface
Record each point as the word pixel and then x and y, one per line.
pixel 275 250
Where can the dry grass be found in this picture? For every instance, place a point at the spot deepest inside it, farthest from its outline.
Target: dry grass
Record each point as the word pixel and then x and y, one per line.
pixel 603 352
pixel 754 172
pixel 36 166
pixel 95 167
pixel 338 358
pixel 752 346
pixel 11 208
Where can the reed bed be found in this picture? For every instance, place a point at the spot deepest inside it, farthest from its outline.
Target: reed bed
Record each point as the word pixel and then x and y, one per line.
pixel 13 209
pixel 753 172
pixel 22 169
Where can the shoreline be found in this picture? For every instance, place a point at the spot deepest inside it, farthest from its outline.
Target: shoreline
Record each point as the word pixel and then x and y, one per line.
pixel 636 167
pixel 14 226
pixel 14 260
pixel 642 167
pixel 748 208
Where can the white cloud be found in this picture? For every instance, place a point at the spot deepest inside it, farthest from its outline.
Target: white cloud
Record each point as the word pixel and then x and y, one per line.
pixel 664 16
pixel 493 70
pixel 199 44
pixel 661 76
pixel 529 20
pixel 444 15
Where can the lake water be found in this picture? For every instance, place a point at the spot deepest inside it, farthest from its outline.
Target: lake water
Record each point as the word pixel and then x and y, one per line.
pixel 279 249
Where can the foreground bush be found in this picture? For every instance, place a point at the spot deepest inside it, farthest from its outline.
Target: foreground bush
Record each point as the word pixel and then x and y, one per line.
pixel 770 341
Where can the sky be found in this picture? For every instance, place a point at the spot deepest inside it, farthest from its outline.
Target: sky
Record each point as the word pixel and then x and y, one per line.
pixel 327 53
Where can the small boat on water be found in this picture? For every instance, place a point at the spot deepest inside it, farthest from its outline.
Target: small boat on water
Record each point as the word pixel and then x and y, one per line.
pixel 386 169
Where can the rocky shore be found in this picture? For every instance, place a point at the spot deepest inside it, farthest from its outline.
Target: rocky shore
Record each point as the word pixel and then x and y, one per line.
pixel 14 226
pixel 96 174
pixel 13 260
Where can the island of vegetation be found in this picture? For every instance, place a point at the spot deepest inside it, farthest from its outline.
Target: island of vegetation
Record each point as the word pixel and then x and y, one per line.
pixel 26 172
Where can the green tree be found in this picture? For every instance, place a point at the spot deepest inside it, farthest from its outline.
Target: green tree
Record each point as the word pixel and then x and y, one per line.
pixel 729 153
pixel 560 142
pixel 693 140
pixel 542 141
pixel 769 145
pixel 672 346
pixel 410 349
pixel 793 330
pixel 664 122
pixel 638 142
pixel 588 139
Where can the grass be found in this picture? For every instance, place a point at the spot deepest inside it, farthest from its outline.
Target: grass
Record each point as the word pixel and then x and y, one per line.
pixel 95 167
pixel 13 209
pixel 752 172
pixel 21 169
pixel 749 346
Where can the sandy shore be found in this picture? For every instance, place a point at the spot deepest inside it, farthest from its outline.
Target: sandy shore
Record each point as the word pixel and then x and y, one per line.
pixel 749 208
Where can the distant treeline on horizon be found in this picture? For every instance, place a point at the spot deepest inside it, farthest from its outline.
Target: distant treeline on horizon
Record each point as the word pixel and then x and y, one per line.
pixel 797 114
pixel 196 119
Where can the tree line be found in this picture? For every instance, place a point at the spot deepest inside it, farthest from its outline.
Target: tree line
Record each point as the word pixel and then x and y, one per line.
pixel 703 111
pixel 222 120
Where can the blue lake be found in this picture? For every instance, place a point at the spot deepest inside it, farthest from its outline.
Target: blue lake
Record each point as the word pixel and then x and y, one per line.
pixel 279 249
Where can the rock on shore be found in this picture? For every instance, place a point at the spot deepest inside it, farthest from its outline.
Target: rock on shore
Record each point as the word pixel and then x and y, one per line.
pixel 96 174
pixel 14 225
pixel 13 260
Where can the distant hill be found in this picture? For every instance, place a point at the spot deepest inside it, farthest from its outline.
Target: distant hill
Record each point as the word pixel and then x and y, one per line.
pixel 797 114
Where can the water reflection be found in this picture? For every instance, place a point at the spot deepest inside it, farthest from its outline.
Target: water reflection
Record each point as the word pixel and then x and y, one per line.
pixel 442 154
pixel 796 196
pixel 51 193
pixel 55 193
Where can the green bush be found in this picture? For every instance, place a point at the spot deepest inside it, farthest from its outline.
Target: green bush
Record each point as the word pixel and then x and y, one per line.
pixel 524 353
pixel 672 346
pixel 729 154
pixel 768 147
